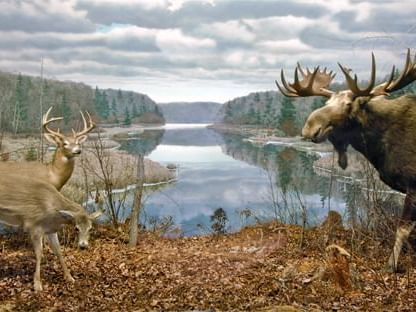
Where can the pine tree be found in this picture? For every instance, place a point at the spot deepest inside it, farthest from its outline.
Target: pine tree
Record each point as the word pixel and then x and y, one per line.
pixel 127 118
pixel 135 112
pixel 65 109
pixel 20 114
pixel 287 118
pixel 97 100
pixel 101 104
pixel 114 108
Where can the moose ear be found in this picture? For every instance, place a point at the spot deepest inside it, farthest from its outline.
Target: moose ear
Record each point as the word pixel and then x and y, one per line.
pixel 67 215
pixel 95 214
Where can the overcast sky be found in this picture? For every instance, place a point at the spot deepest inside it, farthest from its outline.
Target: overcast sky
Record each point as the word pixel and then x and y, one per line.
pixel 205 50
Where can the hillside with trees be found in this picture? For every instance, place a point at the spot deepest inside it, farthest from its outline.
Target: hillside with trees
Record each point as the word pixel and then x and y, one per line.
pixel 271 110
pixel 284 115
pixel 21 97
pixel 191 112
pixel 126 107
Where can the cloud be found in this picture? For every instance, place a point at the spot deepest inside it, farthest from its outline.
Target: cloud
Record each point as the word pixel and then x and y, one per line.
pixel 192 13
pixel 43 16
pixel 177 49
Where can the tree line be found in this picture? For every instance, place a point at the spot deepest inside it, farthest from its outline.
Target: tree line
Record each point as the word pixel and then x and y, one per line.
pixel 283 115
pixel 23 100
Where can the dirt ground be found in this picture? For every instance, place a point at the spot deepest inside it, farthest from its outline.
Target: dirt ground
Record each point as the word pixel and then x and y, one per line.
pixel 261 268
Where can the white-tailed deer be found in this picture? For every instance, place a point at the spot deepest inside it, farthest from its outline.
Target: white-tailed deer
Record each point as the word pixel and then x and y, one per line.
pixel 40 209
pixel 383 130
pixel 60 169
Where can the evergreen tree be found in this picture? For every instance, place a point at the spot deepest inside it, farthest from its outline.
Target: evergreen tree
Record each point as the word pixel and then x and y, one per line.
pixel 20 114
pixel 269 113
pixel 97 100
pixel 127 118
pixel 287 118
pixel 102 106
pixel 114 107
pixel 119 95
pixel 252 118
pixel 135 112
pixel 105 107
pixel 65 109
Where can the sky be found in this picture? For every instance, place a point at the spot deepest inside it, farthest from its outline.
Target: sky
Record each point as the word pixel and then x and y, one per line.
pixel 200 50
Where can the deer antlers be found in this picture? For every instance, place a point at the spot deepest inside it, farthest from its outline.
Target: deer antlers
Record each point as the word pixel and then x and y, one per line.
pixel 317 82
pixel 87 127
pixel 46 121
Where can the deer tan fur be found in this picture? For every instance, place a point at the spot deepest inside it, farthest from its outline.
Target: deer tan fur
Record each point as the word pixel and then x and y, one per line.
pixel 382 129
pixel 56 173
pixel 62 165
pixel 41 210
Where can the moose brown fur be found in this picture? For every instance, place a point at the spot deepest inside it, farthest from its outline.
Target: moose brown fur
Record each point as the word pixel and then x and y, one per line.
pixel 382 129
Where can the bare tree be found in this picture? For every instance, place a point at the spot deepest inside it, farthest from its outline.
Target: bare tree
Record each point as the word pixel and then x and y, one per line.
pixel 137 203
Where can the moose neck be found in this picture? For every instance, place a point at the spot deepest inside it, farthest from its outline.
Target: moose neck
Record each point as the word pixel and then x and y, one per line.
pixel 61 168
pixel 372 131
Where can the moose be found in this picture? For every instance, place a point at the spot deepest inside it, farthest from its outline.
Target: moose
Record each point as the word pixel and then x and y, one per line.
pixel 40 209
pixel 60 169
pixel 381 129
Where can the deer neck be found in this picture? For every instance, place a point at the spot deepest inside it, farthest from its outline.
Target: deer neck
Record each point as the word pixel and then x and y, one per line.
pixel 60 169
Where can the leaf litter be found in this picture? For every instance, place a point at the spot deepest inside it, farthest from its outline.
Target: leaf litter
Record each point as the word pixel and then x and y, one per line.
pixel 260 268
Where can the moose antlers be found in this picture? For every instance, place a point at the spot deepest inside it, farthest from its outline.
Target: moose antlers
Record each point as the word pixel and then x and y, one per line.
pixel 87 126
pixel 312 83
pixel 317 82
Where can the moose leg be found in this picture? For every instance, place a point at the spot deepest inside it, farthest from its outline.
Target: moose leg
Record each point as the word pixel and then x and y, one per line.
pixel 38 246
pixel 56 248
pixel 403 231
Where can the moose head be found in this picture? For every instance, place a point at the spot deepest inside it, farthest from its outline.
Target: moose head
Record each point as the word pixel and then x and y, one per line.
pixel 345 110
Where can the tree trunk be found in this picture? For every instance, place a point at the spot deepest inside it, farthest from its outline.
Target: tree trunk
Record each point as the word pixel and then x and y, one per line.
pixel 137 202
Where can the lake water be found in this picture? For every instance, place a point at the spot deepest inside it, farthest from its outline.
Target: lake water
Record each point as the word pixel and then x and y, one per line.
pixel 247 181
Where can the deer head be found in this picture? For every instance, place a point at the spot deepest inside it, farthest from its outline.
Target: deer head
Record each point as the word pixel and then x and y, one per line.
pixel 83 224
pixel 343 108
pixel 69 146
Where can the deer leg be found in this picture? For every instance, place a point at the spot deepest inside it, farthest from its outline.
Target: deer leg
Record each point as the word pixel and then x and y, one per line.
pixel 38 246
pixel 408 223
pixel 56 248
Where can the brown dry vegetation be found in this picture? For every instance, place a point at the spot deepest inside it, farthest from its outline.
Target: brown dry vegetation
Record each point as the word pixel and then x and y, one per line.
pixel 261 268
pixel 122 166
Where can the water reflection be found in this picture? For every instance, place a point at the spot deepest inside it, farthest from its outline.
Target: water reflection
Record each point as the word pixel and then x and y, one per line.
pixel 143 143
pixel 248 182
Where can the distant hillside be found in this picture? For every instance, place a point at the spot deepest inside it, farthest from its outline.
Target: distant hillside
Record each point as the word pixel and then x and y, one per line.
pixel 269 109
pixel 127 107
pixel 20 98
pixel 191 112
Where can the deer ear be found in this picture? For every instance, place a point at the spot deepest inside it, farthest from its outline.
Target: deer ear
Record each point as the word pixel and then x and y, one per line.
pixel 95 215
pixel 67 215
pixel 82 139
